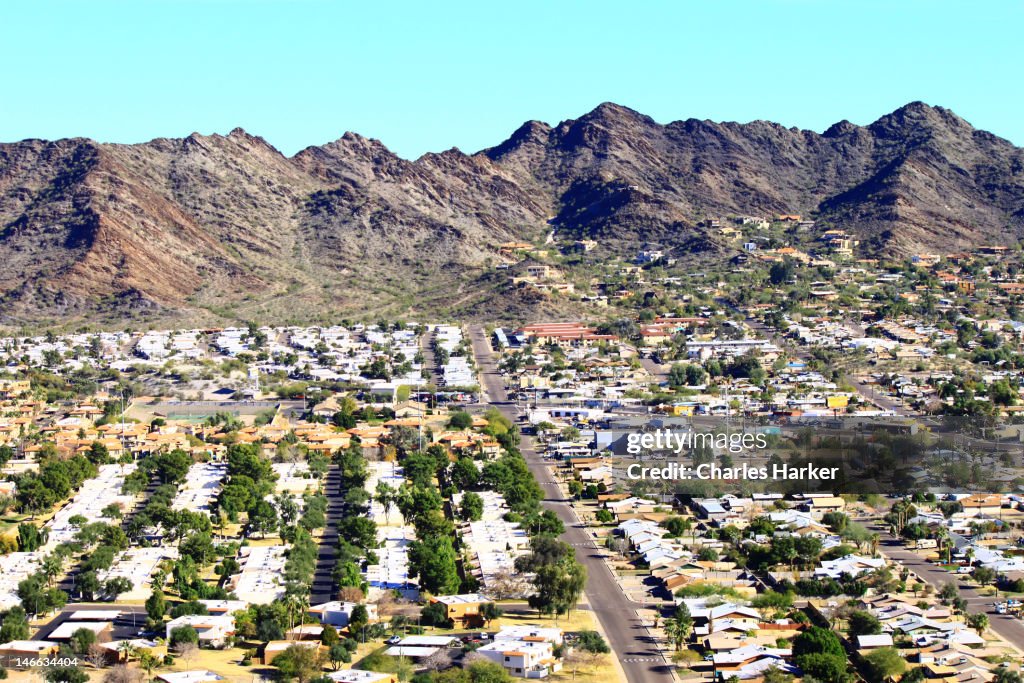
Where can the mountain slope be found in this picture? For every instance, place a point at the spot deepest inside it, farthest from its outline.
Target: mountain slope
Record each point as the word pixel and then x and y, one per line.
pixel 225 227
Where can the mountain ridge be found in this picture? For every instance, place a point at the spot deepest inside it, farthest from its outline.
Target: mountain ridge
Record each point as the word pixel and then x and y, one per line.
pixel 215 226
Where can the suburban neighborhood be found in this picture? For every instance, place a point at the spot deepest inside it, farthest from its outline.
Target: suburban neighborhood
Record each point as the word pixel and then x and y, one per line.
pixel 401 501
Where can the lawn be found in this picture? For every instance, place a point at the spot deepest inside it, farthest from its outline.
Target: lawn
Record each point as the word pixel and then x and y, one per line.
pixel 577 620
pixel 604 668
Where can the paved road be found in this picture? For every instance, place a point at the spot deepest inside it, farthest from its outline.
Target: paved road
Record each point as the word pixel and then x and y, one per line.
pixel 657 370
pixel 875 395
pixel 1011 629
pixel 631 644
pixel 867 392
pixel 323 589
pixel 429 357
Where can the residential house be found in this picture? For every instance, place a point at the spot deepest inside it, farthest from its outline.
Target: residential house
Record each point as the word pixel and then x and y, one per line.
pixel 463 610
pixel 213 630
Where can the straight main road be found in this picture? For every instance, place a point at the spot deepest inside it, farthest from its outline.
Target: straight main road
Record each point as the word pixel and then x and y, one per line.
pixel 640 657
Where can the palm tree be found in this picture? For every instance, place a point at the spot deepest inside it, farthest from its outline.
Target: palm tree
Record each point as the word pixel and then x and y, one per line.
pixel 296 599
pixel 942 537
pixel 385 495
pixel 979 622
pixel 687 525
pixel 678 627
pixel 148 661
pixel 127 649
pixel 671 628
pixel 52 566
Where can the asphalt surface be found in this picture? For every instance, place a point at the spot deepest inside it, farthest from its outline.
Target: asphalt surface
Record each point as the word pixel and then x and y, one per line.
pixel 323 589
pixel 640 657
pixel 127 625
pixel 1010 628
pixel 868 392
pixel 657 370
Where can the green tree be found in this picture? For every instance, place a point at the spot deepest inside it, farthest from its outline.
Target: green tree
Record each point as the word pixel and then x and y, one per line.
pixel 490 611
pixel 66 674
pixel 172 467
pixel 156 605
pixel 88 585
pixel 984 575
pixel 677 375
pixel 836 521
pixel 781 272
pixel 339 654
pixel 773 600
pixel 358 620
pixel 460 420
pixel 434 614
pixel 979 622
pixel 483 671
pixel 199 547
pixel 116 586
pixel 864 624
pixel 433 560
pixel 98 453
pixel 558 586
pixel 183 634
pixel 678 627
pixel 472 508
pixel 776 675
pixel 592 641
pixel 329 636
pixel 707 554
pixel 1006 676
pixel 262 517
pixel 299 663
pixel 820 654
pixel 676 526
pixel 817 640
pixel 359 531
pixel 147 662
pixel 824 667
pixel 81 640
pixel 695 375
pixel 30 537
pixel 884 664
pixel 14 625
pixel 386 495
pixel 465 475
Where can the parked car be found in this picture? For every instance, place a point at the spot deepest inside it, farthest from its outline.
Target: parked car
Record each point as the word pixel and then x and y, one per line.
pixel 393 640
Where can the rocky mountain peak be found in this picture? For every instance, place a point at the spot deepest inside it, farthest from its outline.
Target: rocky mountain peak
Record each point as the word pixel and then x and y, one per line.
pixel 185 227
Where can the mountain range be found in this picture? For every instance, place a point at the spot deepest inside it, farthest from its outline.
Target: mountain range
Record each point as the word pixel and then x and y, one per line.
pixel 215 228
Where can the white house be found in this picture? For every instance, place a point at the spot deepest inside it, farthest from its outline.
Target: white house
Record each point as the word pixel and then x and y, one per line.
pixel 338 613
pixel 521 658
pixel 213 629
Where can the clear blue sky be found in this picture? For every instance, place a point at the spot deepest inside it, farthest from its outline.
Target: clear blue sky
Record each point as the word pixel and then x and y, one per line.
pixel 425 76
